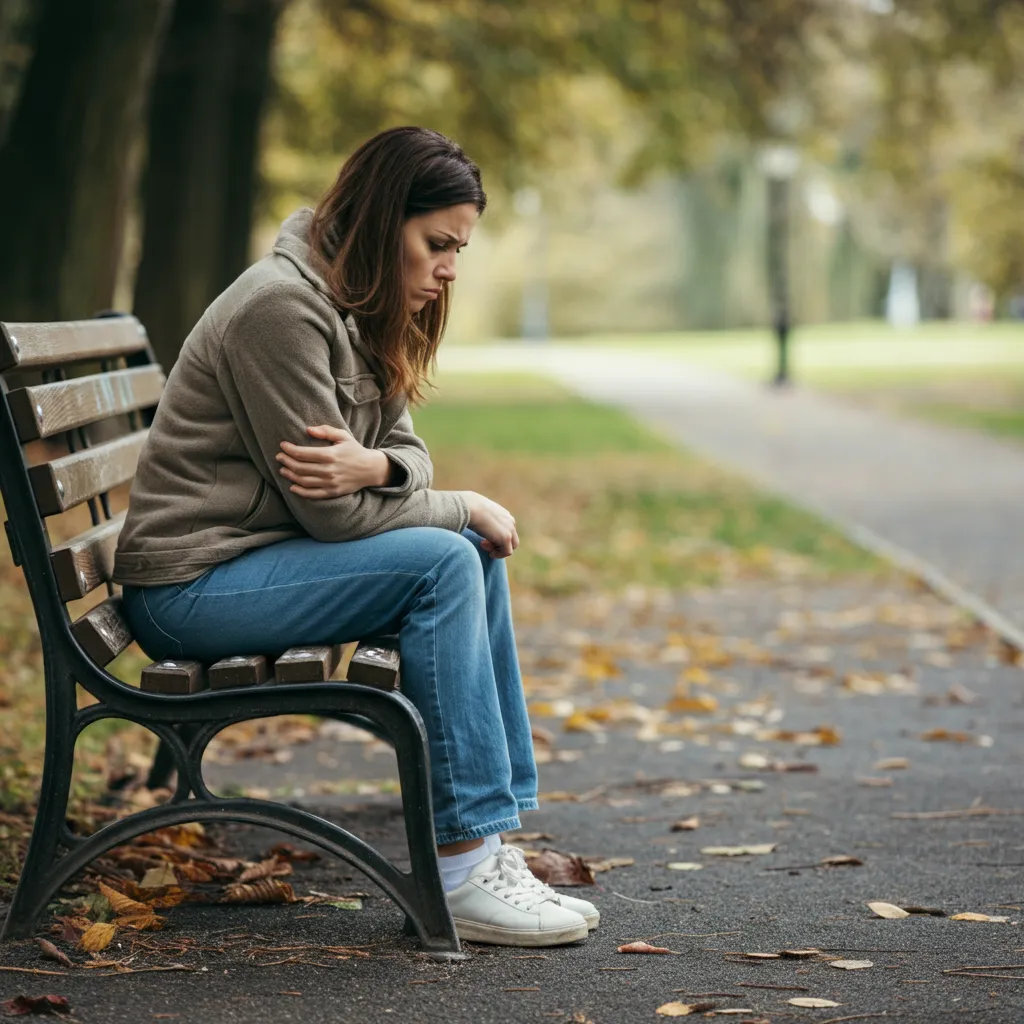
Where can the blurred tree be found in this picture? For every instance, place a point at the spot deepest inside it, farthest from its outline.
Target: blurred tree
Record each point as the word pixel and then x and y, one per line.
pixel 66 168
pixel 18 20
pixel 200 179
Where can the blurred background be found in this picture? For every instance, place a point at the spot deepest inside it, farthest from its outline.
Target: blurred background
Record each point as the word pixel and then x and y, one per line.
pixel 653 166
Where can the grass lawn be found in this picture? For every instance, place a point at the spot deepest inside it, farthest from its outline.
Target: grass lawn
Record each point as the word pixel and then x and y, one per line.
pixel 603 502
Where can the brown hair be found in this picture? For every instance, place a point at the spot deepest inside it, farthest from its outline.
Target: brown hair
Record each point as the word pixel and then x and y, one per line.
pixel 357 235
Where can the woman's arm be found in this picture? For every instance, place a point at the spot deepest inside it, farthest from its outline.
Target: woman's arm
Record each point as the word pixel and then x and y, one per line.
pixel 275 371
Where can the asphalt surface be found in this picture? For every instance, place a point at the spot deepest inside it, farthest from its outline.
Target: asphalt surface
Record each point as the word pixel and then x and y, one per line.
pixel 632 790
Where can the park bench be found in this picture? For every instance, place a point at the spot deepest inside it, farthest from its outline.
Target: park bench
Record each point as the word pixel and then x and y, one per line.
pixel 68 440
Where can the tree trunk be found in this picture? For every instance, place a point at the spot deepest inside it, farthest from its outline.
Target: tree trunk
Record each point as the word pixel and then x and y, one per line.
pixel 200 179
pixel 66 168
pixel 18 20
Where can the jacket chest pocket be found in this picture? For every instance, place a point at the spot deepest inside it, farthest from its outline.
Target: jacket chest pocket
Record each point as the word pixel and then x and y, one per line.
pixel 359 399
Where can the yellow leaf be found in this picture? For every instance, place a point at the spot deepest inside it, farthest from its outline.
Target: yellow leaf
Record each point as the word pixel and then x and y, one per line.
pixel 812 1002
pixel 147 922
pixel 266 890
pixel 123 904
pixel 675 1009
pixel 702 704
pixel 97 936
pixel 695 674
pixel 159 877
pixel 888 910
pixel 580 721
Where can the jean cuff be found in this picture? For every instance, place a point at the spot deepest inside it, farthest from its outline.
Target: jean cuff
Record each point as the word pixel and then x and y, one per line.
pixel 528 803
pixel 479 831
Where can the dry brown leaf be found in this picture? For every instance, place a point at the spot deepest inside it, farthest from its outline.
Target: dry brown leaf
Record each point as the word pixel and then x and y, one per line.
pixel 142 922
pixel 758 849
pixel 812 1002
pixel 686 824
pixel 556 868
pixel 123 904
pixel 843 860
pixel 888 910
pixel 193 872
pixel 265 890
pixel 947 735
pixel 290 852
pixel 801 954
pixel 169 898
pixel 763 956
pixel 851 965
pixel 20 1005
pixel 642 947
pixel 97 936
pixel 580 721
pixel 677 1009
pixel 272 868
pixel 50 952
pixel 890 764
pixel 598 864
pixel 159 877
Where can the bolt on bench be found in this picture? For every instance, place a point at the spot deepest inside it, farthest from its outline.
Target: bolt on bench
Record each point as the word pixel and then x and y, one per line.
pixel 185 703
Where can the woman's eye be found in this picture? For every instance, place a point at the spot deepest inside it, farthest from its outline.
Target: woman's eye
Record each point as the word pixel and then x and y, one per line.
pixel 439 246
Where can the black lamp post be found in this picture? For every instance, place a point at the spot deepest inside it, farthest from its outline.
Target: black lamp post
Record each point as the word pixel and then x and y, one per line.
pixel 779 163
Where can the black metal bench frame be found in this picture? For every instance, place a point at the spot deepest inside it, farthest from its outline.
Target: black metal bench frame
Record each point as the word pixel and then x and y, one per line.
pixel 185 724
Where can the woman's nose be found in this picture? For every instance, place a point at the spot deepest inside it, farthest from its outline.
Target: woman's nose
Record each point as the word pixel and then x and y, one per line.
pixel 445 271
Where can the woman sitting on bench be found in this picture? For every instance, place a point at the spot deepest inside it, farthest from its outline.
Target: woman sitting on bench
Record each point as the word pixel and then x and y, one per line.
pixel 283 499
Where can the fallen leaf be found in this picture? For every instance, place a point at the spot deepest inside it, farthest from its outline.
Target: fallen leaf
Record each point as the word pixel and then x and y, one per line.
pixel 642 947
pixel 890 764
pixel 801 954
pixel 888 911
pixel 346 904
pixel 20 1005
pixel 968 916
pixel 763 956
pixel 852 965
pixel 123 904
pixel 51 952
pixel 141 922
pixel 272 868
pixel 732 1010
pixel 684 865
pixel 556 868
pixel 159 878
pixel 682 1009
pixel 843 860
pixel 580 721
pixel 757 849
pixel 530 837
pixel 753 760
pixel 812 1002
pixel 290 852
pixel 597 864
pixel 686 824
pixel 701 704
pixel 266 890
pixel 97 936
pixel 947 735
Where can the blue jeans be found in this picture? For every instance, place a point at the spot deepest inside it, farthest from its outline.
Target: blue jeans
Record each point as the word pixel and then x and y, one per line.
pixel 446 598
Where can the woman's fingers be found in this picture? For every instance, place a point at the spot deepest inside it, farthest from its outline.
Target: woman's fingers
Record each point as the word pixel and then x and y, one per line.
pixel 306 452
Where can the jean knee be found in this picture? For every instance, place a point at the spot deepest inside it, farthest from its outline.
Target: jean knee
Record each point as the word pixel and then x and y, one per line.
pixel 459 556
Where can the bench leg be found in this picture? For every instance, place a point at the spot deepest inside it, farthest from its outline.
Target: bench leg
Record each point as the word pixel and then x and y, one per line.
pixel 31 895
pixel 163 762
pixel 431 919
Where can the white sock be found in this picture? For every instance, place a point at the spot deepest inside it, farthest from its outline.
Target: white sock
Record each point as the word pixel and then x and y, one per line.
pixel 457 868
pixel 493 843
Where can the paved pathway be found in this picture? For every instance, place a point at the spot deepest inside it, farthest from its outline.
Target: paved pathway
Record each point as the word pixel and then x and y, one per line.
pixel 952 498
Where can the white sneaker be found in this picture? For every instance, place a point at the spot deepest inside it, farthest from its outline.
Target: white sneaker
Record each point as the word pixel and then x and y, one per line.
pixel 494 905
pixel 586 910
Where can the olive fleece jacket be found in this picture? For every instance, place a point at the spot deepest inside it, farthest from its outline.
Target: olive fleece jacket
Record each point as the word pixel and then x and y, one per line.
pixel 271 356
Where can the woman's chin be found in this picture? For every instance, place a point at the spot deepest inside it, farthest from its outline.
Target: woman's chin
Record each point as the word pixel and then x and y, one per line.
pixel 416 305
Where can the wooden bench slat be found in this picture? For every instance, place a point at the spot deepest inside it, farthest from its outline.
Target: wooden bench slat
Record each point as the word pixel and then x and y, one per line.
pixel 47 409
pixel 176 677
pixel 376 663
pixel 32 346
pixel 86 561
pixel 103 631
pixel 72 479
pixel 239 671
pixel 307 664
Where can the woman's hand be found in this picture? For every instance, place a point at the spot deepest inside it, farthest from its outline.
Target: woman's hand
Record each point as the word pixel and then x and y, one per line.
pixel 330 471
pixel 494 523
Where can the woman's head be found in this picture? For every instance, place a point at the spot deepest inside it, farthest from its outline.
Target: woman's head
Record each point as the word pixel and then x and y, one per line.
pixel 387 233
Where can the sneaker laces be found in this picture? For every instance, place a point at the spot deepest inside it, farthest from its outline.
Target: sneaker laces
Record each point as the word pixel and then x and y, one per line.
pixel 509 879
pixel 526 877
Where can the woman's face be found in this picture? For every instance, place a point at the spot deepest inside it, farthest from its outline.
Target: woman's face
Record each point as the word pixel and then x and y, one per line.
pixel 431 243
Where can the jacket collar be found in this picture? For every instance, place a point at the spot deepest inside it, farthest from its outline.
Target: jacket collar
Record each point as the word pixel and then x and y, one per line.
pixel 293 244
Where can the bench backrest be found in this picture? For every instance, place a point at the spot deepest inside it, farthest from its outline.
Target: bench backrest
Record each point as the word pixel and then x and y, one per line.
pixel 74 401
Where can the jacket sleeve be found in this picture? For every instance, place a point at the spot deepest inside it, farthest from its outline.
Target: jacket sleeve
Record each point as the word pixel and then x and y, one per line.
pixel 274 367
pixel 409 453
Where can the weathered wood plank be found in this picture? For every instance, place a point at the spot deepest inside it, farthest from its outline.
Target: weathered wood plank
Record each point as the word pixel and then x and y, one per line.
pixel 376 663
pixel 72 479
pixel 47 409
pixel 103 631
pixel 86 561
pixel 307 664
pixel 238 671
pixel 176 677
pixel 32 346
